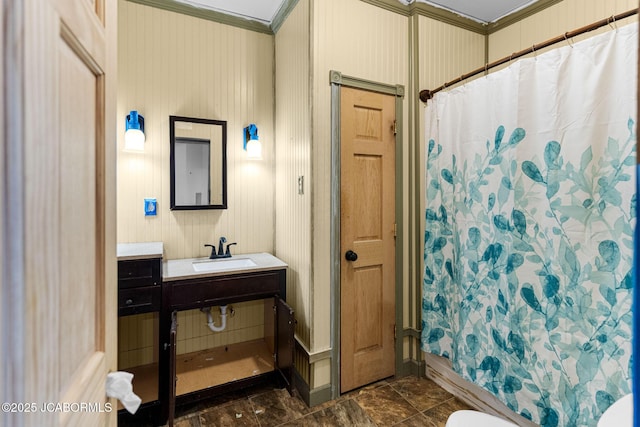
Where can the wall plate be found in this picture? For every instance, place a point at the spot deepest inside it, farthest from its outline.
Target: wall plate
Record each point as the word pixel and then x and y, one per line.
pixel 150 207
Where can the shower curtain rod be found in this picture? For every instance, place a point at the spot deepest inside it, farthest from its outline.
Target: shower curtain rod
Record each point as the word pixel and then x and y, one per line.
pixel 426 94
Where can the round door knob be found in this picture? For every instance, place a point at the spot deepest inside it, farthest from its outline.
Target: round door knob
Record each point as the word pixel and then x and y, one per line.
pixel 350 255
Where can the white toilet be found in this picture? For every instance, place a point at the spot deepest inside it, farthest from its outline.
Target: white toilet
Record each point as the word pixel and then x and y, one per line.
pixel 620 414
pixel 476 419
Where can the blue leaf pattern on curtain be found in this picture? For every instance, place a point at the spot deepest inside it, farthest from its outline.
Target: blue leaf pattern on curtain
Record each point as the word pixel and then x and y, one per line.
pixel 527 277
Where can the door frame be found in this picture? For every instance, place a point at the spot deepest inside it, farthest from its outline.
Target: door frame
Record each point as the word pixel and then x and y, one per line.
pixel 337 80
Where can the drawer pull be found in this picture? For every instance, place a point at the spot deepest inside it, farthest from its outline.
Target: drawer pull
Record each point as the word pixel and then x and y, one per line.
pixel 129 302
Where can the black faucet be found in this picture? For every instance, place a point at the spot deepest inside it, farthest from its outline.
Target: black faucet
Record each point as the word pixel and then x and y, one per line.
pixel 221 252
pixel 228 252
pixel 220 248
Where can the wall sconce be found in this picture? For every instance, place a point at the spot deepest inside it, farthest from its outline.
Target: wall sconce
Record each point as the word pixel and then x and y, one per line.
pixel 252 144
pixel 134 132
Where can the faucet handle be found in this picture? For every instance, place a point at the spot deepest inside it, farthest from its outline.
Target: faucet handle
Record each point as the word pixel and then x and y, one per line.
pixel 213 251
pixel 228 251
pixel 222 241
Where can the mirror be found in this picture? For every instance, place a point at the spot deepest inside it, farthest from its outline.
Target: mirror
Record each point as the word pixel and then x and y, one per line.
pixel 198 163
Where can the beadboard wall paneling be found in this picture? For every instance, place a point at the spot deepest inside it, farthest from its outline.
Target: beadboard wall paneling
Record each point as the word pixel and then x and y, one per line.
pixel 293 161
pixel 363 41
pixel 446 52
pixel 137 340
pixel 137 335
pixel 556 20
pixel 303 368
pixel 172 64
pixel 246 323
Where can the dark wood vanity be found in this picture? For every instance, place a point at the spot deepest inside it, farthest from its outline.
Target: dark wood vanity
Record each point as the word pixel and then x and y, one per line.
pixel 139 301
pixel 139 289
pixel 189 377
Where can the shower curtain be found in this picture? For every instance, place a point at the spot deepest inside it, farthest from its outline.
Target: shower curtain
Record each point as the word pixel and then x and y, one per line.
pixel 530 212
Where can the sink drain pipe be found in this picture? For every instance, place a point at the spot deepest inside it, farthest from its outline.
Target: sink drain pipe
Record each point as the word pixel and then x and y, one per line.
pixel 223 317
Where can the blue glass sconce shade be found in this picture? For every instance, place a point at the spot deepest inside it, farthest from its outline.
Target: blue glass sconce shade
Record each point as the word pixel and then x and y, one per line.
pixel 134 121
pixel 251 143
pixel 134 132
pixel 250 133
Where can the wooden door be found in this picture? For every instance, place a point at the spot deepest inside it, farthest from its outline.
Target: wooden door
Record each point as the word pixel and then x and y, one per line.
pixel 61 215
pixel 367 230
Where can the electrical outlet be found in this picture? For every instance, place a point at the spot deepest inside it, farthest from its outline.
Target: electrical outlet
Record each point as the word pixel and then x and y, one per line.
pixel 301 184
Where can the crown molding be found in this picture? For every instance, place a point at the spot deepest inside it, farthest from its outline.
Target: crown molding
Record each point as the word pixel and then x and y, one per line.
pixel 502 23
pixel 210 15
pixel 282 14
pixel 447 17
pixel 415 8
pixel 390 5
pixel 430 11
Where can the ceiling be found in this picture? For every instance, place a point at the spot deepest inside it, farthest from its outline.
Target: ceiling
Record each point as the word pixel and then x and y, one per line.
pixel 485 11
pixel 257 10
pixel 264 11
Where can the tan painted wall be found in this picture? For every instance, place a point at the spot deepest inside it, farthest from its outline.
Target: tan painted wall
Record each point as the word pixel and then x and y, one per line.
pixel 363 41
pixel 172 64
pixel 376 47
pixel 137 342
pixel 293 160
pixel 554 21
pixel 446 52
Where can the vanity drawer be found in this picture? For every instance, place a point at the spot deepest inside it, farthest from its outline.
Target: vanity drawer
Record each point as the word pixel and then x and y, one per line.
pixel 142 272
pixel 139 300
pixel 226 289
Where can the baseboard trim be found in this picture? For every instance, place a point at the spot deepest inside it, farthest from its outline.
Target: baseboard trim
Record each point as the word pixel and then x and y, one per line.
pixel 438 369
pixel 311 397
pixel 320 395
pixel 412 367
pixel 301 385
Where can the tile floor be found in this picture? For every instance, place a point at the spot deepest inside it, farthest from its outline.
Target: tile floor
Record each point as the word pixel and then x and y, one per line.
pixel 408 401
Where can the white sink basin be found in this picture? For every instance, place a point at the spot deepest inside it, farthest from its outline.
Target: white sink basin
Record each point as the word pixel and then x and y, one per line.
pixel 223 264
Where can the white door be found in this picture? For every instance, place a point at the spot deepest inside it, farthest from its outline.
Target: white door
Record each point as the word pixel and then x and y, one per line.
pixel 58 212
